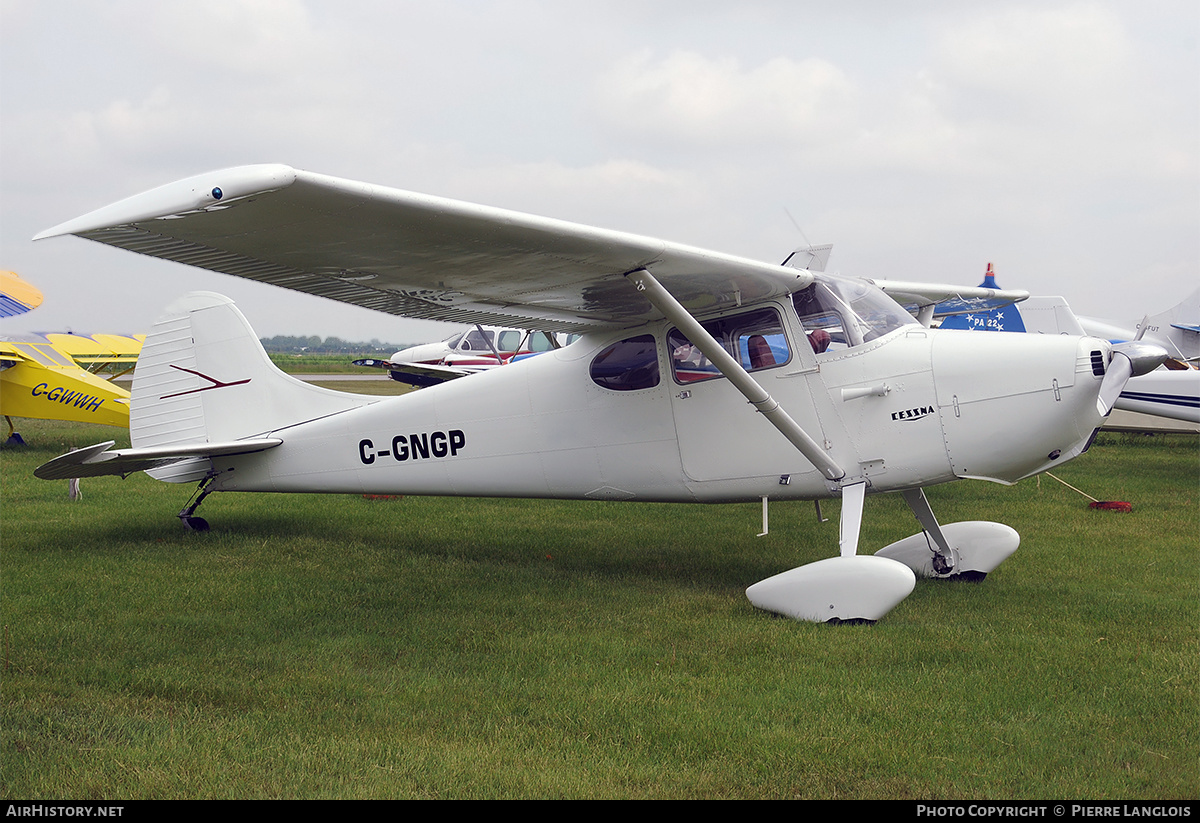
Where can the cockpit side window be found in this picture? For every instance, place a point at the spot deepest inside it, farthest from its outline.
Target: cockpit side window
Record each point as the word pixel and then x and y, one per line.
pixel 477 340
pixel 627 365
pixel 755 339
pixel 839 313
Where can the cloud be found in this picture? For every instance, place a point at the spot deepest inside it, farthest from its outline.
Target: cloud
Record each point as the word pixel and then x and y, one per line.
pixel 1059 90
pixel 260 41
pixel 1056 61
pixel 691 100
pixel 923 139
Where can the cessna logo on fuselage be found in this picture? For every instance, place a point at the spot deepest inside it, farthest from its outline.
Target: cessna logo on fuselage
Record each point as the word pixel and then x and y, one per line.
pixel 913 414
pixel 419 446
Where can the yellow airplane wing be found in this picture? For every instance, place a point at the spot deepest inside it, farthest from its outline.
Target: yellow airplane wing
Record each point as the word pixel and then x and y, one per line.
pixel 92 351
pixel 16 295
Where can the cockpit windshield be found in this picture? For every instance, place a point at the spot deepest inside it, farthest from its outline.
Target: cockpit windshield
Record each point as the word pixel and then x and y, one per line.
pixel 840 312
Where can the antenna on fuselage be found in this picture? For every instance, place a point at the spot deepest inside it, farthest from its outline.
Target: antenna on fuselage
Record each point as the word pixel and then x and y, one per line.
pixel 795 223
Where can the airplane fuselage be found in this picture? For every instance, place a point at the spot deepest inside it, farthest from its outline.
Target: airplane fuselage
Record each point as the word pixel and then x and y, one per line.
pixel 46 384
pixel 911 408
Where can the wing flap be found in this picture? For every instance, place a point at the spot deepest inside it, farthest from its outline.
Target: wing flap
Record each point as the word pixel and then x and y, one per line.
pixel 100 460
pixel 414 255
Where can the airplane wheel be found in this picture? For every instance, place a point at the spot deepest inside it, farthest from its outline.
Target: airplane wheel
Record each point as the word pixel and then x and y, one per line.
pixel 195 524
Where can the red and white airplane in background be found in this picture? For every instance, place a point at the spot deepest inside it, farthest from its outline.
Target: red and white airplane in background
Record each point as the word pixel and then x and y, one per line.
pixel 466 352
pixel 695 377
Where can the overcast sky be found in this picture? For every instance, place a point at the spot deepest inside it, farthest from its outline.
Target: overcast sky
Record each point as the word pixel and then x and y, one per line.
pixel 1057 140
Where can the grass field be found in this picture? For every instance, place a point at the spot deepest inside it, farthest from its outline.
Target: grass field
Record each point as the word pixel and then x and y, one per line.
pixel 339 647
pixel 325 363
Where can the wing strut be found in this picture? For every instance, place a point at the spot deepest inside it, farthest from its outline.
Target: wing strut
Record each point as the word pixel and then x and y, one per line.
pixel 674 311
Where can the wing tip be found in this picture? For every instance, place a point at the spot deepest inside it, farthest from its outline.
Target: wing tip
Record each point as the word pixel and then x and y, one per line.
pixel 198 193
pixel 64 466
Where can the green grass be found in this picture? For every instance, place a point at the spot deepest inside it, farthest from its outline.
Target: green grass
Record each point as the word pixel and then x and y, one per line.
pixel 325 363
pixel 338 647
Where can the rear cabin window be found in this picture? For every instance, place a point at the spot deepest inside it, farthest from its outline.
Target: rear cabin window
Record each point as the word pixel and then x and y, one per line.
pixel 628 365
pixel 539 341
pixel 508 340
pixel 756 340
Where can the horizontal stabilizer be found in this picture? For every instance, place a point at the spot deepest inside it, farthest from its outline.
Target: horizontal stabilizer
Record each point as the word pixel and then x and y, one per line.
pixel 99 460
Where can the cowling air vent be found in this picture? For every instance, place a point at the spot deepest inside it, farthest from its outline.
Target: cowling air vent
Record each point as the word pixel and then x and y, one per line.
pixel 1098 363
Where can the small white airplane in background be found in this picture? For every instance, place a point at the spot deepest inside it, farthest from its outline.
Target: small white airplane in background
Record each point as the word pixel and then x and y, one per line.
pixel 1177 330
pixel 697 376
pixel 1171 391
pixel 465 352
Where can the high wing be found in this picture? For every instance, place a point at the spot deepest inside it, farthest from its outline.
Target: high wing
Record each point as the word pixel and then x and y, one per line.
pixel 940 300
pixel 96 350
pixel 85 351
pixel 420 256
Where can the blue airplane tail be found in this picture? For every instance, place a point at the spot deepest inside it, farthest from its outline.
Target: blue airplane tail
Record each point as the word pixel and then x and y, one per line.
pixel 1007 318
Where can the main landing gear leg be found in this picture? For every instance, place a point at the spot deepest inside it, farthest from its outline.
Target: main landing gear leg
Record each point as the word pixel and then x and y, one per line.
pixel 959 551
pixel 944 558
pixel 187 515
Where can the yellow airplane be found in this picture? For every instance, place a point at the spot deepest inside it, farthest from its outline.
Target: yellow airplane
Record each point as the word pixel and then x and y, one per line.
pixel 46 376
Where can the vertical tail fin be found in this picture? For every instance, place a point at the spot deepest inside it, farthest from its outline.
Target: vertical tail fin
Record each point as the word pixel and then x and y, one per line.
pixel 203 377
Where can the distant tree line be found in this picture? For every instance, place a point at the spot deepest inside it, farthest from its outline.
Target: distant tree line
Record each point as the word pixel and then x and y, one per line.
pixel 283 344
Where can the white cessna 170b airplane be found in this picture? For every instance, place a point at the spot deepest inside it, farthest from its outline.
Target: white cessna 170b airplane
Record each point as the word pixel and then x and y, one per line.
pixel 698 376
